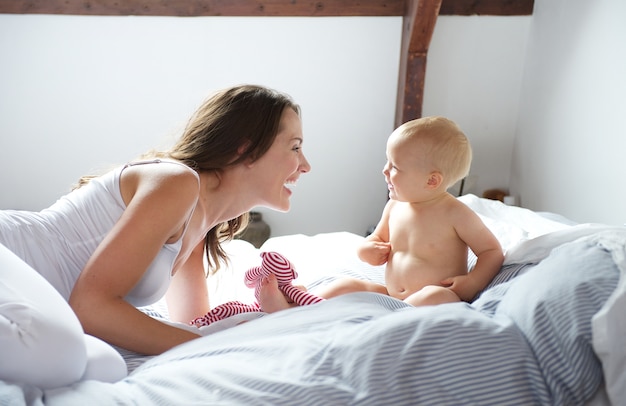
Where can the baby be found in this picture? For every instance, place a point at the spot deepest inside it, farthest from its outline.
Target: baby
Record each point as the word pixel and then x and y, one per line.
pixel 424 232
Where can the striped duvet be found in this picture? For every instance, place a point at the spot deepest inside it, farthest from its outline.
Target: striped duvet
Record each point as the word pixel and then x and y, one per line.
pixel 527 340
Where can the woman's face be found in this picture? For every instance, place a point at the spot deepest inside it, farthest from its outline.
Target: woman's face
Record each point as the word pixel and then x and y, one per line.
pixel 281 166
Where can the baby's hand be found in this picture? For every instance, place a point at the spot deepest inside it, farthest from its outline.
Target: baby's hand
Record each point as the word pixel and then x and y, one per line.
pixel 374 252
pixel 463 286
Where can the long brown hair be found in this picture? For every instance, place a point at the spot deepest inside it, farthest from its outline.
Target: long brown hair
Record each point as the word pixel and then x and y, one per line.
pixel 241 118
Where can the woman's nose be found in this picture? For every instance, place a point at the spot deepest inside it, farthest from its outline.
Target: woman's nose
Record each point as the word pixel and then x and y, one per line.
pixel 304 165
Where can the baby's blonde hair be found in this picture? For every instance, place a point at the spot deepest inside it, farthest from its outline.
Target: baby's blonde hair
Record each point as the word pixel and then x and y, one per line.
pixel 446 149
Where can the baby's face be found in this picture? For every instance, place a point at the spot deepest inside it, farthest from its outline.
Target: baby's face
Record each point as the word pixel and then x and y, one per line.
pixel 404 170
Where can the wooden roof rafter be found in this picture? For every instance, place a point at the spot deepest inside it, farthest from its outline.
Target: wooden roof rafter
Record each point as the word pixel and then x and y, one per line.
pixel 418 26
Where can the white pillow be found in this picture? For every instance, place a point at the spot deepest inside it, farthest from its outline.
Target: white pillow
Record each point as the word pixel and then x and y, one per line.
pixel 609 325
pixel 609 330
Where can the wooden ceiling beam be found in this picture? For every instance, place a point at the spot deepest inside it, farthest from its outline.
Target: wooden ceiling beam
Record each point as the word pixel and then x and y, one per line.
pixel 188 8
pixel 258 8
pixel 487 7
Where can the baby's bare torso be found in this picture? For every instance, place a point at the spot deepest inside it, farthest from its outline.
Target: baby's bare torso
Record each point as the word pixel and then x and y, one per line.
pixel 425 248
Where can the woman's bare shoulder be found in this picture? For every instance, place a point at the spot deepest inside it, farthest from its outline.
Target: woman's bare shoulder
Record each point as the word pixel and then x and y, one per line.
pixel 166 179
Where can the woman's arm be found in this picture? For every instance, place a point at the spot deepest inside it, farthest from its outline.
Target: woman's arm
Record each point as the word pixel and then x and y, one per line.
pixel 159 207
pixel 187 296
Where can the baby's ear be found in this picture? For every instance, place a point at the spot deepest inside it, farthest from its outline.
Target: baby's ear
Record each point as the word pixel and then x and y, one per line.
pixel 435 180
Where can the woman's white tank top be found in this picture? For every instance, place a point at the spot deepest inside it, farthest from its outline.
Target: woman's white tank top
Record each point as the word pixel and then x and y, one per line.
pixel 58 241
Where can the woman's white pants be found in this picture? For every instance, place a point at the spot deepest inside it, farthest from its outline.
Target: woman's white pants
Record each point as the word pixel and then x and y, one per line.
pixel 41 340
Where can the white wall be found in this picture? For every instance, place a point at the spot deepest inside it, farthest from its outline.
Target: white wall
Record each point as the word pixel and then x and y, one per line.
pixel 82 93
pixel 571 137
pixel 474 76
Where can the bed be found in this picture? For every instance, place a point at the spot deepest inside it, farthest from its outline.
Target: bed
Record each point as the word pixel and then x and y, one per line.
pixel 548 330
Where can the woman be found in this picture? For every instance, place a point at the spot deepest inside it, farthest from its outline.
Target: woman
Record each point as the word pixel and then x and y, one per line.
pixel 123 239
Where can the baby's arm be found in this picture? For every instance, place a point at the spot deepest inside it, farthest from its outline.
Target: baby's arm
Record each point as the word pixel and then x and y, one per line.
pixel 374 252
pixel 487 249
pixel 376 247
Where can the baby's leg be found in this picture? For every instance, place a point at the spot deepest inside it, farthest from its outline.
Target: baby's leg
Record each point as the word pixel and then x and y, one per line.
pixel 432 295
pixel 349 285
